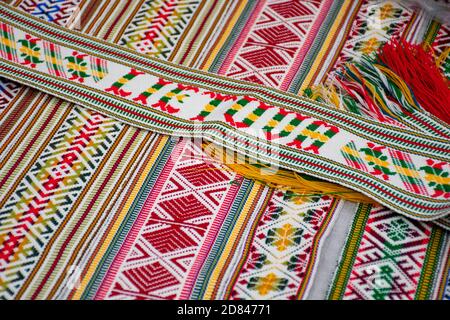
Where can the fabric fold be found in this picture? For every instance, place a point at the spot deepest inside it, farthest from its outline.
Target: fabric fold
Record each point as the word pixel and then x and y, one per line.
pixel 379 160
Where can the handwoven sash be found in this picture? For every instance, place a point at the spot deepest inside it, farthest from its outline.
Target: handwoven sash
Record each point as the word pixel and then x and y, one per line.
pixel 406 170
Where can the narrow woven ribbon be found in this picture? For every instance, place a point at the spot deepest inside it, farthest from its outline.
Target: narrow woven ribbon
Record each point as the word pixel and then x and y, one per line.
pixel 406 170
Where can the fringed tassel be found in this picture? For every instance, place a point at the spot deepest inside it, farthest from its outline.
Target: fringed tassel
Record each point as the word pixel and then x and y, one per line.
pixel 372 88
pixel 301 185
pixel 418 69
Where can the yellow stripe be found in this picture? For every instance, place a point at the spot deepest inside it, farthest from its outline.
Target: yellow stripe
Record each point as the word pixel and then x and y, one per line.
pixel 151 90
pixel 325 49
pixel 236 107
pixel 7 42
pixel 289 128
pixel 224 36
pixel 351 151
pixel 98 74
pixel 122 80
pixel 114 229
pixel 248 208
pixel 30 52
pixel 429 268
pixel 53 60
pixel 377 161
pixel 437 179
pixel 315 135
pixel 253 117
pixel 349 255
pixel 407 172
pixel 76 67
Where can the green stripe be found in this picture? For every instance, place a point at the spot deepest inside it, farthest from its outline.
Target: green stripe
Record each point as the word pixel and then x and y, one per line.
pixel 348 257
pixel 432 257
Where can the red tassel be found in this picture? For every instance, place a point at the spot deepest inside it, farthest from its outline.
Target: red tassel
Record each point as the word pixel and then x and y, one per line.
pixel 417 68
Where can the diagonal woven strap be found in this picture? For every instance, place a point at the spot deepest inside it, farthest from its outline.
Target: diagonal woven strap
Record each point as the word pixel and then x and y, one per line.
pixel 403 169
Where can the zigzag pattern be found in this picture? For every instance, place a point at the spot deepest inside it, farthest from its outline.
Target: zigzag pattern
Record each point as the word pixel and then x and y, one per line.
pixel 56 11
pixel 389 259
pixel 277 36
pixel 158 25
pixel 47 192
pixel 192 195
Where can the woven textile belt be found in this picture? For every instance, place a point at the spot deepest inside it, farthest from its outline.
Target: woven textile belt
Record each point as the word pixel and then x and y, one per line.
pixel 400 168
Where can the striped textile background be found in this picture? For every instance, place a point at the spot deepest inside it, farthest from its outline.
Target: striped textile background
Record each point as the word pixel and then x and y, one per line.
pixel 91 208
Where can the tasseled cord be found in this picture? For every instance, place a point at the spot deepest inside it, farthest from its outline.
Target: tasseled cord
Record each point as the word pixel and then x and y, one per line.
pixel 418 69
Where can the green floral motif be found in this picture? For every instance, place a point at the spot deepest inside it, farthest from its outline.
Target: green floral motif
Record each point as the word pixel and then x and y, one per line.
pixel 284 237
pixel 378 161
pixel 398 230
pixel 77 66
pixel 30 51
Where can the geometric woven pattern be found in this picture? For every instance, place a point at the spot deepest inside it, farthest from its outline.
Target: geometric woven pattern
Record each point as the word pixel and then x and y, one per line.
pixel 93 208
pixel 282 248
pixel 272 45
pixel 8 90
pixel 167 244
pixel 56 11
pixel 389 259
pixel 440 45
pixel 45 195
pixel 158 25
pixel 375 23
pixel 304 127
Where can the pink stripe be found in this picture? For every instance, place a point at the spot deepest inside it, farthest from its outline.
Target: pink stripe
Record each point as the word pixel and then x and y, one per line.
pixel 137 226
pixel 208 242
pixel 243 36
pixel 309 39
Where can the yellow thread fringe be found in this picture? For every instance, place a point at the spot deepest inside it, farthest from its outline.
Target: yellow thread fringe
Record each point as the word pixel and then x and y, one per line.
pixel 283 179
